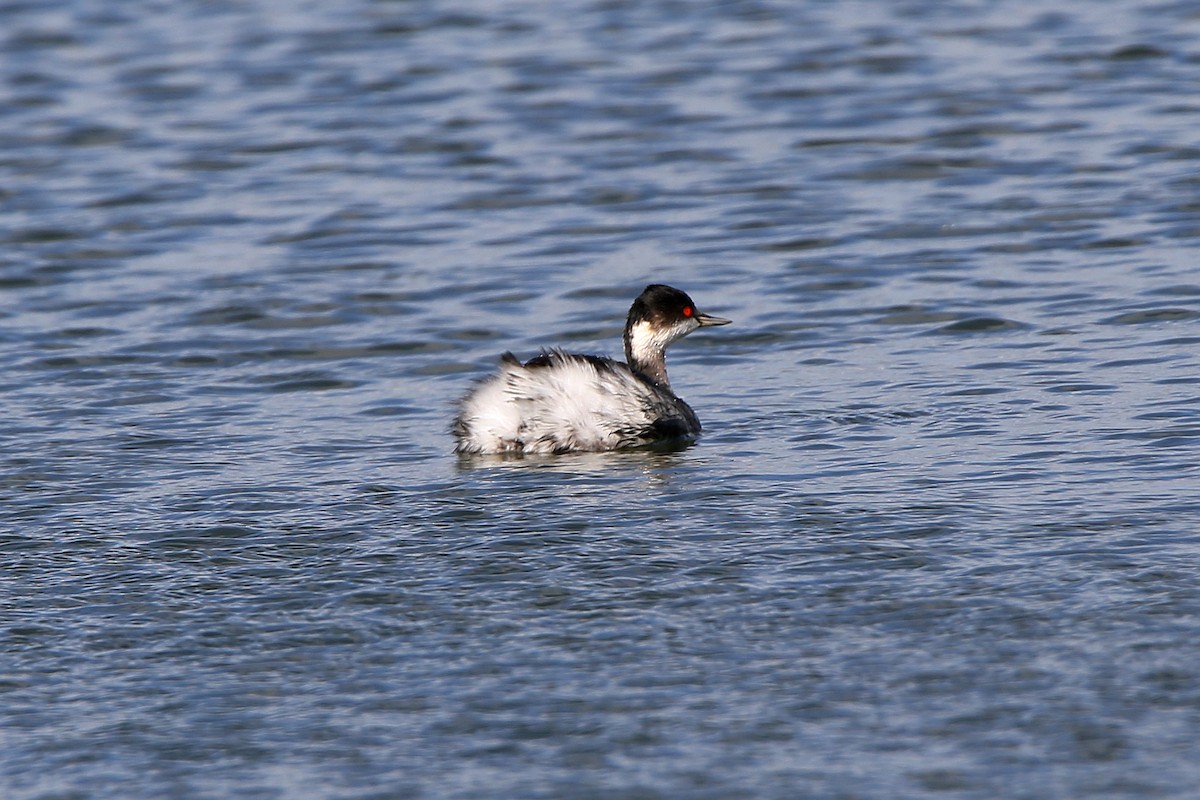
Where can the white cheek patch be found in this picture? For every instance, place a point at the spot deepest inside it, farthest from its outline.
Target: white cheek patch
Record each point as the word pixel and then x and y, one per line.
pixel 648 342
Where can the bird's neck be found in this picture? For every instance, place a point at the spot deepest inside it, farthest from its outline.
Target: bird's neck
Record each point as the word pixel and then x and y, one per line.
pixel 645 352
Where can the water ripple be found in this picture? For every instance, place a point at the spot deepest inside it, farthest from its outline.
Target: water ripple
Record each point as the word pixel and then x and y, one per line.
pixel 939 533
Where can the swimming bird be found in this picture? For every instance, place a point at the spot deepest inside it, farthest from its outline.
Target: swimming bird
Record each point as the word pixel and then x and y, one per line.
pixel 558 402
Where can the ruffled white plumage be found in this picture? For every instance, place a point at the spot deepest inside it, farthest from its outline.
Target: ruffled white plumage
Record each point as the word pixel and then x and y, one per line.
pixel 567 402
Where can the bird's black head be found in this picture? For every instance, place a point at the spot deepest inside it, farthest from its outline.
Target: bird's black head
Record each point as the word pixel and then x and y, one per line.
pixel 662 306
pixel 660 315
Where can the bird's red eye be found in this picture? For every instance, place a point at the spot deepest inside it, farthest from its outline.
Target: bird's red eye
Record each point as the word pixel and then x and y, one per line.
pixel 688 311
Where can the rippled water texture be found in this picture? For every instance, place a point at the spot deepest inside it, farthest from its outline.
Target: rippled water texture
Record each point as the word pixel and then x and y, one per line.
pixel 940 538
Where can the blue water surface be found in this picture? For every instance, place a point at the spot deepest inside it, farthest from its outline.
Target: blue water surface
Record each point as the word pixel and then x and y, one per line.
pixel 939 539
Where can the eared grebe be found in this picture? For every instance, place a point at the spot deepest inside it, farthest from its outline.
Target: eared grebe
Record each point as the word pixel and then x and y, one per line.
pixel 559 401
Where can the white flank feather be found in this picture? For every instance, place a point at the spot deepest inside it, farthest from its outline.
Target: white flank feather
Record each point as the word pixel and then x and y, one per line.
pixel 569 403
